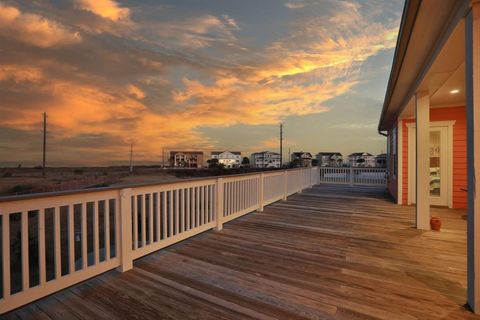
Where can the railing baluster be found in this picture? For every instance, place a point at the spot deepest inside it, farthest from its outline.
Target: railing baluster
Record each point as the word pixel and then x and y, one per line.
pixel 182 210
pixel 159 216
pixel 96 240
pixel 205 219
pixel 202 204
pixel 42 271
pixel 188 209
pixel 135 221
pixel 106 217
pixel 57 241
pixel 6 254
pixel 170 214
pixel 143 221
pixel 164 215
pixel 25 260
pixel 150 218
pixel 176 211
pixel 84 236
pixel 197 207
pixel 71 240
pixel 211 203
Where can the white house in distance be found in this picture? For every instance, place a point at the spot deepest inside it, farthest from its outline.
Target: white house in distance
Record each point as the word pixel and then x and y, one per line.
pixel 186 159
pixel 230 159
pixel 329 159
pixel 361 159
pixel 301 159
pixel 265 159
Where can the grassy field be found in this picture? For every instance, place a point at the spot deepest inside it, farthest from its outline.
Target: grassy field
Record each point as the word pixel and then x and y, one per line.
pixel 15 181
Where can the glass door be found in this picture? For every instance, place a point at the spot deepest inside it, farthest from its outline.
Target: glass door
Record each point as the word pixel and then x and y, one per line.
pixel 438 153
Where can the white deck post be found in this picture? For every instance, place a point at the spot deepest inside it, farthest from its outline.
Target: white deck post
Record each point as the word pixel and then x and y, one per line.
pixel 126 260
pixel 261 192
pixel 351 176
pixel 219 211
pixel 285 184
pixel 472 68
pixel 422 109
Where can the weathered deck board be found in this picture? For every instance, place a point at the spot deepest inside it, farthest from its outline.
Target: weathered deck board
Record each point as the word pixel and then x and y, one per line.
pixel 332 252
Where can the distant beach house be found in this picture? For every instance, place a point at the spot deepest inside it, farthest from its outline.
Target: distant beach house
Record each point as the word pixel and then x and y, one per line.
pixel 361 159
pixel 230 159
pixel 265 159
pixel 301 159
pixel 186 159
pixel 329 159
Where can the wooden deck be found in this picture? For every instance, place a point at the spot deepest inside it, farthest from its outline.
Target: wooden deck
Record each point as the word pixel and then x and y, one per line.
pixel 332 252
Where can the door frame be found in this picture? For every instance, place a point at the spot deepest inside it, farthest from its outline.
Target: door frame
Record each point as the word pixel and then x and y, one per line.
pixel 411 159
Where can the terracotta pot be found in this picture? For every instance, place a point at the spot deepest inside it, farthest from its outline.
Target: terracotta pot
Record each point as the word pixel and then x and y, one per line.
pixel 435 223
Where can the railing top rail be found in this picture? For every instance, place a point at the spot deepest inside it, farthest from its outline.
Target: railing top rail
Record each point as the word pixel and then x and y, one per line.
pixel 132 185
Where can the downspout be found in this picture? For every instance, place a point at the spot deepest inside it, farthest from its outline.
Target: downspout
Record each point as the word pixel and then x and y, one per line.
pixel 383 134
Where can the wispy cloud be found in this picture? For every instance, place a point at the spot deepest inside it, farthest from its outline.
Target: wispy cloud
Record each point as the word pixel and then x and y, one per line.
pixel 295 5
pixel 159 79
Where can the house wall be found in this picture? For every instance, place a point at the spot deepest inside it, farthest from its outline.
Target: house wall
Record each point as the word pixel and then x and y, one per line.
pixel 459 164
pixel 392 184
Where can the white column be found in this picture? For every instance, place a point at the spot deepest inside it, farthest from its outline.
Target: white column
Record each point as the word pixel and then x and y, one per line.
pixel 422 109
pixel 126 260
pixel 220 209
pixel 261 191
pixel 472 69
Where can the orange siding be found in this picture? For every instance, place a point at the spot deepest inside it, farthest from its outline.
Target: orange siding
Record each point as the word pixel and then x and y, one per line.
pixel 459 152
pixel 405 160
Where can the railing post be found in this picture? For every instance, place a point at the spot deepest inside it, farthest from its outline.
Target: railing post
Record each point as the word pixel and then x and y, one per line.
pixel 351 176
pixel 126 259
pixel 260 193
pixel 285 184
pixel 310 172
pixel 219 211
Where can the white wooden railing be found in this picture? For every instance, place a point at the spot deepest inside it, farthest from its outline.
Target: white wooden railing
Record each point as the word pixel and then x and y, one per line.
pixel 353 176
pixel 54 240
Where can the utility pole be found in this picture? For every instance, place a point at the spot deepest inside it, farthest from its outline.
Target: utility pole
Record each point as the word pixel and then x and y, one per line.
pixel 281 145
pixel 131 157
pixel 44 143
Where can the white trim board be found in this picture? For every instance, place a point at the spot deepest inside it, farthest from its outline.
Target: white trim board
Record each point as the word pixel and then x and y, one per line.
pixel 400 161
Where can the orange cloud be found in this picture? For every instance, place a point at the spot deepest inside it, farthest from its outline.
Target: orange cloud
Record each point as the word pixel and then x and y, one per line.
pixel 294 76
pixel 199 32
pixel 107 9
pixel 19 74
pixel 34 29
pixel 136 92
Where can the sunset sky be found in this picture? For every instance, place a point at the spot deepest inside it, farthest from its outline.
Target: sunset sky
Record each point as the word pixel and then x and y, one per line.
pixel 194 74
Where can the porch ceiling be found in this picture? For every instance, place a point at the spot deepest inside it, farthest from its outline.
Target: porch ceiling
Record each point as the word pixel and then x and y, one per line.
pixel 422 66
pixel 447 73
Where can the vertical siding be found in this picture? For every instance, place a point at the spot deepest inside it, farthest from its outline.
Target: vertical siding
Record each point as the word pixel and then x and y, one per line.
pixel 392 181
pixel 405 160
pixel 459 164
pixel 459 150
